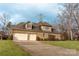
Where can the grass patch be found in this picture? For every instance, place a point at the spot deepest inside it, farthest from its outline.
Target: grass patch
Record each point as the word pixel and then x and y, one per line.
pixel 9 48
pixel 65 44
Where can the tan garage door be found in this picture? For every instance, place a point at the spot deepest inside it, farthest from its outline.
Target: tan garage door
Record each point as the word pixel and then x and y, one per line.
pixel 20 36
pixel 32 37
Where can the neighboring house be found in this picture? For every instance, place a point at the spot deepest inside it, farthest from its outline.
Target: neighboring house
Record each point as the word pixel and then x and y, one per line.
pixel 35 31
pixel 3 35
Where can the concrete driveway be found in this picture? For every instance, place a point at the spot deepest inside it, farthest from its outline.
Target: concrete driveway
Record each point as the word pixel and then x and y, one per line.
pixel 37 48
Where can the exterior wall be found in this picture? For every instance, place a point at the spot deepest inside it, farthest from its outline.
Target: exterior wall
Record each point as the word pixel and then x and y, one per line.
pixel 41 35
pixel 45 28
pixel 46 35
pixel 23 31
pixel 57 36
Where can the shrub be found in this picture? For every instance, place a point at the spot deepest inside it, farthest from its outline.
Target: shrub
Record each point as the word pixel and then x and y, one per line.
pixel 38 39
pixel 45 39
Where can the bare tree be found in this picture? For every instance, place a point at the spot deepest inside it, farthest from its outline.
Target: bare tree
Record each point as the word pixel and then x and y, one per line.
pixel 76 13
pixel 4 20
pixel 9 28
pixel 67 16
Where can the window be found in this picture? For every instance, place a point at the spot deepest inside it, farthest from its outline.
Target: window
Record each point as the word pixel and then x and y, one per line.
pixel 45 28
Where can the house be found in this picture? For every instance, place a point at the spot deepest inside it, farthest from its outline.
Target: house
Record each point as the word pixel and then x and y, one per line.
pixel 35 31
pixel 3 35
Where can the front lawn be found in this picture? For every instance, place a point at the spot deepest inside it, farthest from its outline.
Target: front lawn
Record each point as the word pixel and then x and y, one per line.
pixel 9 48
pixel 65 44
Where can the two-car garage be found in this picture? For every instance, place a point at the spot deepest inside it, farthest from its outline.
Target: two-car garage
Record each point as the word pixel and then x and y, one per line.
pixel 24 36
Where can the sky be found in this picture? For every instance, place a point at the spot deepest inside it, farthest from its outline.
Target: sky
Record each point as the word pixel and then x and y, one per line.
pixel 23 12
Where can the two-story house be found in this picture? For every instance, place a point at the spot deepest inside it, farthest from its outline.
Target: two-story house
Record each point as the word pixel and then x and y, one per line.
pixel 35 31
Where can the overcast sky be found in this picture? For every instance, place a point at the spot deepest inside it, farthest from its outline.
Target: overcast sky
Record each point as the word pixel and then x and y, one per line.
pixel 23 12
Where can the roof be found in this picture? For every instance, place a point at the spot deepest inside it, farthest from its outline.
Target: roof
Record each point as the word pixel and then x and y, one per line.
pixel 22 26
pixel 44 24
pixel 36 26
pixel 18 26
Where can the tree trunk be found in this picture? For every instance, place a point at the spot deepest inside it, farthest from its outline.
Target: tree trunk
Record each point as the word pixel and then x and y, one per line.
pixel 70 33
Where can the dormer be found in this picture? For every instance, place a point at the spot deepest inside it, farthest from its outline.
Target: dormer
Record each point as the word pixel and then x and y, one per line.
pixel 28 26
pixel 45 26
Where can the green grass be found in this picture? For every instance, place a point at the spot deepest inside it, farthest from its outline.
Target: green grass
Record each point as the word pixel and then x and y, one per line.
pixel 9 48
pixel 65 44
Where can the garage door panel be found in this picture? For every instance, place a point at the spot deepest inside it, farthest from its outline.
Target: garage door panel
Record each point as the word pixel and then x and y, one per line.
pixel 19 36
pixel 32 37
